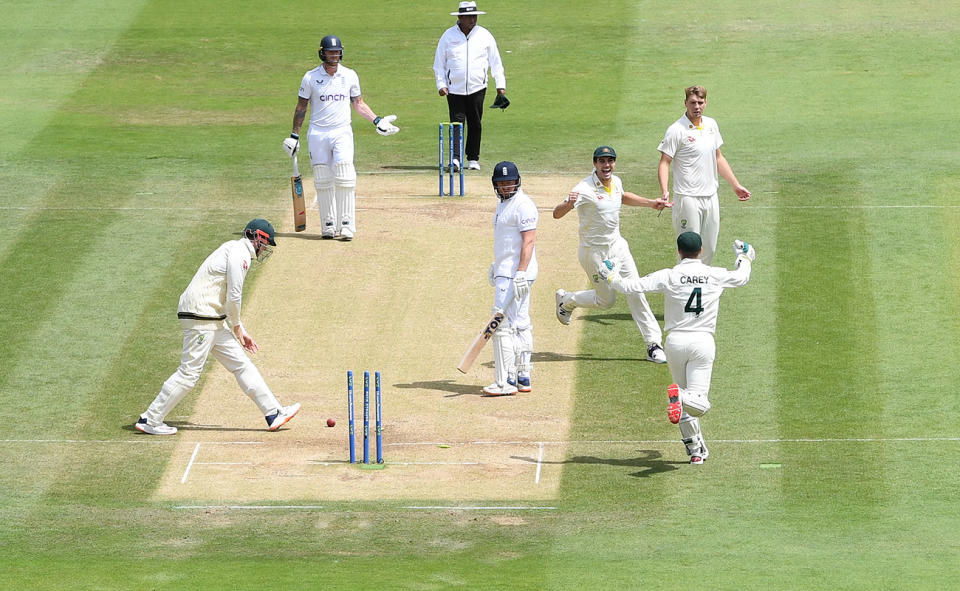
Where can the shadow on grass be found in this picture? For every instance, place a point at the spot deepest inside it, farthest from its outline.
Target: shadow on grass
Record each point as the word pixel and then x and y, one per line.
pixel 651 462
pixel 607 319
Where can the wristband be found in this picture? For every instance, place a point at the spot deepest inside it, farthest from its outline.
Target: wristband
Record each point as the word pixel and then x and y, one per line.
pixel 377 120
pixel 295 136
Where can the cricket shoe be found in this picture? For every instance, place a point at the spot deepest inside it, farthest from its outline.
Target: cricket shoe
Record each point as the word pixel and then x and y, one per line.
pixel 655 354
pixel 473 165
pixel 522 384
pixel 329 232
pixel 346 234
pixel 162 429
pixel 675 407
pixel 282 417
pixel 496 389
pixel 455 165
pixel 563 315
pixel 697 459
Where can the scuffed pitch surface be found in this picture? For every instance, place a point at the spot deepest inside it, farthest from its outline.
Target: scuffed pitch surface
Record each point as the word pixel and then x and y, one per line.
pixel 405 298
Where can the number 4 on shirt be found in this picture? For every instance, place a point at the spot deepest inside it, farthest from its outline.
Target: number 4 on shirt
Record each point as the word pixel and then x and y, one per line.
pixel 694 304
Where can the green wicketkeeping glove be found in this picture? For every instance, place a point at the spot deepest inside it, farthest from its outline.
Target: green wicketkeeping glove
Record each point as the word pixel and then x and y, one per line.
pixel 501 102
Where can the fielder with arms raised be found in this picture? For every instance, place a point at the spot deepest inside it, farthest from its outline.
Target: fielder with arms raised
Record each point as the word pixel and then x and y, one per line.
pixel 598 199
pixel 691 293
pixel 327 90
pixel 209 314
pixel 512 273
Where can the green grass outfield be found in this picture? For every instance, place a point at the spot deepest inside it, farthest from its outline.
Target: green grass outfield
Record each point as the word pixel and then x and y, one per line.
pixel 135 136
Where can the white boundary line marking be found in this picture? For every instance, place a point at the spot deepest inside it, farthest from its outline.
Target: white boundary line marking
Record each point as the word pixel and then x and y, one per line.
pixel 190 463
pixel 458 508
pixel 153 440
pixel 222 463
pixel 539 464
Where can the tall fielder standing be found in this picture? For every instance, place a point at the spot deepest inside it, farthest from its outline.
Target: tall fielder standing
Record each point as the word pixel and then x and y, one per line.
pixel 691 147
pixel 598 199
pixel 692 293
pixel 327 89
pixel 209 314
pixel 512 273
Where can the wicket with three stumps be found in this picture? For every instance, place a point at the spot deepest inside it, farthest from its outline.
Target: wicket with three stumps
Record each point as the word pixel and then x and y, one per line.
pixel 378 400
pixel 455 151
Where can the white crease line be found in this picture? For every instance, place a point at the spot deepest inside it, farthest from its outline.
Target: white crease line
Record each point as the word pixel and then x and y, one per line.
pixel 153 440
pixel 456 508
pixel 222 463
pixel 190 463
pixel 539 464
pixel 251 507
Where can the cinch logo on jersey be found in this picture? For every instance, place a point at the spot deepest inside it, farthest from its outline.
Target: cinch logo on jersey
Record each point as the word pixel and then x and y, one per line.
pixel 333 97
pixel 526 221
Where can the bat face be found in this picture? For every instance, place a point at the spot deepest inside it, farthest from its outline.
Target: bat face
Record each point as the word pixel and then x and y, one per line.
pixel 299 209
pixel 485 335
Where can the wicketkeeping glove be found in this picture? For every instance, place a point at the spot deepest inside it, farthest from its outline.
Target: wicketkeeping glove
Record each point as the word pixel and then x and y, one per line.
pixel 501 102
pixel 385 125
pixel 291 145
pixel 521 287
pixel 607 271
pixel 743 250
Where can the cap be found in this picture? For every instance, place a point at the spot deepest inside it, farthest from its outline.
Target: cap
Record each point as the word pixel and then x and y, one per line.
pixel 689 242
pixel 604 151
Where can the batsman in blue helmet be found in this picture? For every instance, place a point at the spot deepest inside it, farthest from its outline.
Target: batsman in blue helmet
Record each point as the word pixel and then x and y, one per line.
pixel 512 273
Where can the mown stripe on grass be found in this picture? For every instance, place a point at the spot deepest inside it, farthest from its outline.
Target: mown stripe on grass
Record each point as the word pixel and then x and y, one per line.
pixel 827 367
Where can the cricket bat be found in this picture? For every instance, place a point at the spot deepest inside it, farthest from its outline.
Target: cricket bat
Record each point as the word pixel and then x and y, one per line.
pixel 478 343
pixel 296 188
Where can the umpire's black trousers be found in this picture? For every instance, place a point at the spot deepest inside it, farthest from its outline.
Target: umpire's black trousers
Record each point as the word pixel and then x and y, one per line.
pixel 469 108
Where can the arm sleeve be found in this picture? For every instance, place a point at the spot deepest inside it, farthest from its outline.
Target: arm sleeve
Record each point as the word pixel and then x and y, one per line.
pixel 237 266
pixel 656 281
pixel 305 87
pixel 737 277
pixel 496 64
pixel 527 217
pixel 439 63
pixel 669 144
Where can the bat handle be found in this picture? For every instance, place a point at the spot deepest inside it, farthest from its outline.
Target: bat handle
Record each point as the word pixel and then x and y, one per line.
pixel 296 166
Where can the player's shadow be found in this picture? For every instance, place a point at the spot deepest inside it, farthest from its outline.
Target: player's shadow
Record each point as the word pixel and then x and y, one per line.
pixel 651 462
pixel 298 235
pixel 187 426
pixel 608 319
pixel 450 386
pixel 408 167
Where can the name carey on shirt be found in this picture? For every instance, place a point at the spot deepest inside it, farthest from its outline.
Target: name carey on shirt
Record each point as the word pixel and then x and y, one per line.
pixel 699 279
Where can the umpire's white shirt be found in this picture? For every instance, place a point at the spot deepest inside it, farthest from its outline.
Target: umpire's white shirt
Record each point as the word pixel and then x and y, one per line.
pixel 330 96
pixel 694 153
pixel 216 290
pixel 515 215
pixel 461 61
pixel 691 292
pixel 598 211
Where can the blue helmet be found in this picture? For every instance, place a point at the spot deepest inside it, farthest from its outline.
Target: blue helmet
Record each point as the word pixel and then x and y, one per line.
pixel 330 43
pixel 505 171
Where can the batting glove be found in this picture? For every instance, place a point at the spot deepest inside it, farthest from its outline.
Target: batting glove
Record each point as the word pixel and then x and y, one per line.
pixel 291 145
pixel 521 287
pixel 385 125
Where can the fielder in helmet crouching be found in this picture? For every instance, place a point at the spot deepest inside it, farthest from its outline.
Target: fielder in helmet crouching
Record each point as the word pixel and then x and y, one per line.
pixel 512 273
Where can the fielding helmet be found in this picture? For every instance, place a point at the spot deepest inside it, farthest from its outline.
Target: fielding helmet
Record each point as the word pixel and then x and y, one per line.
pixel 260 232
pixel 506 171
pixel 330 43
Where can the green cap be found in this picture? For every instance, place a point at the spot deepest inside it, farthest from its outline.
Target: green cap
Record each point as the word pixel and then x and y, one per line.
pixel 689 242
pixel 604 151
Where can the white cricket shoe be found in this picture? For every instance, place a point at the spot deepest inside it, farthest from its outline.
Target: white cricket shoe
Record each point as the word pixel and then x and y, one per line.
pixel 496 389
pixel 655 354
pixel 563 315
pixel 281 418
pixel 346 234
pixel 473 165
pixel 162 429
pixel 455 165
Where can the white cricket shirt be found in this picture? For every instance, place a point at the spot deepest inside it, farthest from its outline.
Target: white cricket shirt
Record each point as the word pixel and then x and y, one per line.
pixel 598 211
pixel 691 292
pixel 694 153
pixel 216 289
pixel 461 62
pixel 515 215
pixel 330 96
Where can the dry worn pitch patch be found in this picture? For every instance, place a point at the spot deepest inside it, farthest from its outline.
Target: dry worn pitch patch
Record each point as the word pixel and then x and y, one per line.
pixel 405 298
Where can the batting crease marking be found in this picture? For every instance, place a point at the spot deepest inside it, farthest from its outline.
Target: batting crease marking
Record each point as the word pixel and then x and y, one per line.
pixel 190 463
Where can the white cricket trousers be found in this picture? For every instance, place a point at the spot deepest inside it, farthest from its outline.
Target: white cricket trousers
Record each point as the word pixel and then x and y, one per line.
pixel 700 215
pixel 690 356
pixel 604 296
pixel 200 338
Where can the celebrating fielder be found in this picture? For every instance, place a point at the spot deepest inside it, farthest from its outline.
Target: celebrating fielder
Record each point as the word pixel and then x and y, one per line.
pixel 209 314
pixel 512 273
pixel 330 138
pixel 692 293
pixel 597 200
pixel 691 146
